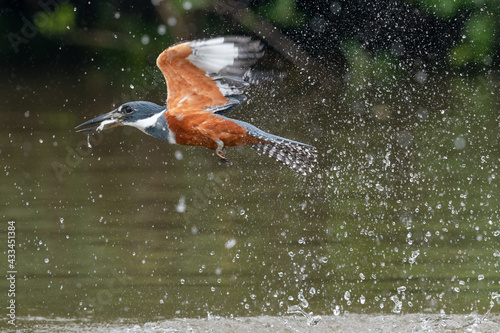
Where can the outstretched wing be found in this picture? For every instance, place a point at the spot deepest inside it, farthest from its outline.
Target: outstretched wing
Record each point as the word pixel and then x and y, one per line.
pixel 208 74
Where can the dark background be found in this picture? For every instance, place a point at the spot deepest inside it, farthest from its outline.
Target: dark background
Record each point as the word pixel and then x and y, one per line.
pixel 437 35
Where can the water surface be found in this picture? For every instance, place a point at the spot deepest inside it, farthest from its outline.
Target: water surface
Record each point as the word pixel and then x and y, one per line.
pixel 402 215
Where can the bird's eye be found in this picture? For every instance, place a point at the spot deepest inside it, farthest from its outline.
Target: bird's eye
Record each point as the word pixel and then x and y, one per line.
pixel 127 109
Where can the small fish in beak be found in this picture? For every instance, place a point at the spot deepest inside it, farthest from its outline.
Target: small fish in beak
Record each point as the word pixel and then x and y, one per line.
pixel 105 121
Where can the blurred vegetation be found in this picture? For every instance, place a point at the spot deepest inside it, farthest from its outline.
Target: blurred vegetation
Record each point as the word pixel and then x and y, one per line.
pixel 412 35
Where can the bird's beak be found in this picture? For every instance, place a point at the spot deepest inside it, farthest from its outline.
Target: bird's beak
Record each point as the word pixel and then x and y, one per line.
pixel 105 121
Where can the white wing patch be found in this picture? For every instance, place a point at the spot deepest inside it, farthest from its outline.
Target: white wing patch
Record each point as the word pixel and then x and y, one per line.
pixel 229 90
pixel 213 55
pixel 227 61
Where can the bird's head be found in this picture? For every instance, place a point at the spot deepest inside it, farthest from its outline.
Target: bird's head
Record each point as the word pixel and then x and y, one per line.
pixel 146 116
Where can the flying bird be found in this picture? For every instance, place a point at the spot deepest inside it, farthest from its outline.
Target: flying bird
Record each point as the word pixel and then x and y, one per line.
pixel 206 79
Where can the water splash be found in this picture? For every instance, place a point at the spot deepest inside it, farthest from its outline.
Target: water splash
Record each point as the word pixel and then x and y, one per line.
pixel 494 297
pixel 311 320
pixel 413 257
pixel 398 305
pixel 347 297
pixel 303 302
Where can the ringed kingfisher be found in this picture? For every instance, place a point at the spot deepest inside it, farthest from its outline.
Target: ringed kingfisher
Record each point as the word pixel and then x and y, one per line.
pixel 205 80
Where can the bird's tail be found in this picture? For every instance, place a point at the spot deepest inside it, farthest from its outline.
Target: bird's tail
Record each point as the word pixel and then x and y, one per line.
pixel 298 156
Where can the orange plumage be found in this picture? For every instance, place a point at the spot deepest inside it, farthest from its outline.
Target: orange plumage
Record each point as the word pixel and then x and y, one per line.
pixel 191 94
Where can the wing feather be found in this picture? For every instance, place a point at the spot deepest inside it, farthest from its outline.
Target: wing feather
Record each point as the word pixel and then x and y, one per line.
pixel 208 74
pixel 299 156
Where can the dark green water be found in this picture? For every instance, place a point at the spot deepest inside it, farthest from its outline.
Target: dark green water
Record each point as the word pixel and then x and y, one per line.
pixel 402 215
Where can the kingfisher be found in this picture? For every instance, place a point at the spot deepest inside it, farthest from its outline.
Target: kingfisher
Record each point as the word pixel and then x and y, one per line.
pixel 206 79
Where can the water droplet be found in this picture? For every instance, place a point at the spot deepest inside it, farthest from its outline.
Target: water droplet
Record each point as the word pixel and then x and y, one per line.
pixel 162 29
pixel 404 139
pixel 414 255
pixel 194 230
pixel 335 7
pixel 172 21
pixel 459 143
pixel 230 243
pixel 145 40
pixel 423 113
pixel 398 305
pixel 318 24
pixel 181 205
pixel 303 302
pixel 88 141
pixel 421 77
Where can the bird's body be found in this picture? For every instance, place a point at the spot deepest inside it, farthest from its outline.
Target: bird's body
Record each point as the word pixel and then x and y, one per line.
pixel 206 79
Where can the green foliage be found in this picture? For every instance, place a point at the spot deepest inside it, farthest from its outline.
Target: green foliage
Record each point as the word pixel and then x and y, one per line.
pixel 477 20
pixel 477 43
pixel 444 8
pixel 363 67
pixel 58 22
pixel 283 13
